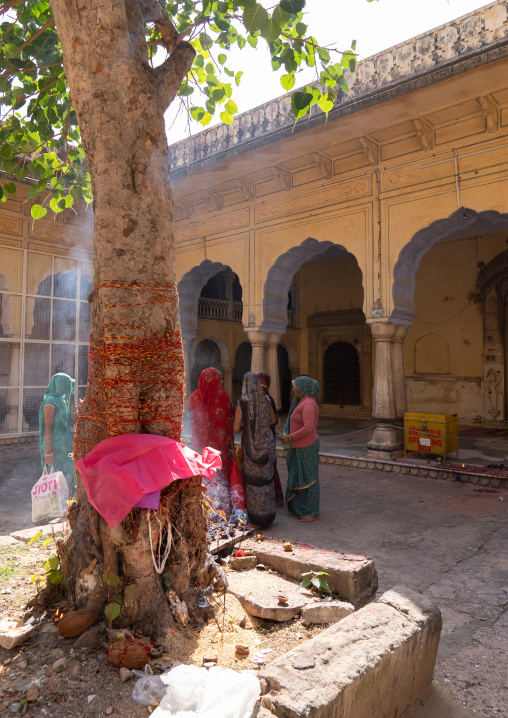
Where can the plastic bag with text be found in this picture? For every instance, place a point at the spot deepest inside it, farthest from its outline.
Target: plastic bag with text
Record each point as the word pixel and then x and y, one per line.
pixel 49 497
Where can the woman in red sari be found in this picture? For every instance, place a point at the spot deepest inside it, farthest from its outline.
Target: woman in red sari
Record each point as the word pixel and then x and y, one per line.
pixel 212 425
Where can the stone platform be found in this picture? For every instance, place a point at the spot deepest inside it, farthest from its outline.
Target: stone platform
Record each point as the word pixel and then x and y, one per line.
pixel 352 577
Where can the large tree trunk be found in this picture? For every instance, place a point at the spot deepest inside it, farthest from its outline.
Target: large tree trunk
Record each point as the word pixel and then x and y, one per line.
pixel 136 360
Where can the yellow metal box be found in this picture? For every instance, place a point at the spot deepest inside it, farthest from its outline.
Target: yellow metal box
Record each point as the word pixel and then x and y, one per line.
pixel 431 433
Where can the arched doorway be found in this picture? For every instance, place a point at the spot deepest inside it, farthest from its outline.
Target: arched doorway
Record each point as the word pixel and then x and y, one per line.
pixel 341 374
pixel 450 290
pixel 242 365
pixel 207 354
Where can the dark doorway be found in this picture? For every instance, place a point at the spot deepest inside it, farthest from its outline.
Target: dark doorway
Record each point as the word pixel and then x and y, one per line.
pixel 341 374
pixel 242 365
pixel 207 355
pixel 284 379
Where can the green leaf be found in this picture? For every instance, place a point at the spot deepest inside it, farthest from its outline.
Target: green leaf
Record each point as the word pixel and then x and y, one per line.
pixel 36 536
pixel 38 212
pixel 10 187
pixel 206 41
pixel 323 54
pixel 253 41
pixel 222 58
pixel 185 90
pixel 119 599
pixel 112 611
pixel 2 194
pixel 110 578
pixel 34 192
pixel 271 31
pixel 238 77
pixel 305 582
pixel 300 102
pixel 231 107
pixel 53 562
pixel 55 205
pixel 55 576
pixel 227 118
pixel 280 16
pixel 254 17
pixel 292 6
pixel 326 102
pixel 301 28
pixel 288 82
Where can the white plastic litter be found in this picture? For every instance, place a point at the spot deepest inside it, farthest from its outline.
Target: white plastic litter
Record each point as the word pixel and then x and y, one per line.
pixel 194 692
pixel 148 688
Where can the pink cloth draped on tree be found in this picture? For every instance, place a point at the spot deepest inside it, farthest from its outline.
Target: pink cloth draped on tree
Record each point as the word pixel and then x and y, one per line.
pixel 120 472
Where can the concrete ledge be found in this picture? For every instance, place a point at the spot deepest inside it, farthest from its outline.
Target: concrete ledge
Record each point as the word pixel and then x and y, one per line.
pixel 25 535
pixel 446 472
pixel 354 578
pixel 374 663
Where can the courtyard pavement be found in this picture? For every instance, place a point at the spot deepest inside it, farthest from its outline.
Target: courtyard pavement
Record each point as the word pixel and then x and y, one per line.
pixel 445 539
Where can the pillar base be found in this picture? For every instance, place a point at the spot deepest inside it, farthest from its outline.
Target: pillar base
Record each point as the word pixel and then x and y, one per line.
pixel 387 442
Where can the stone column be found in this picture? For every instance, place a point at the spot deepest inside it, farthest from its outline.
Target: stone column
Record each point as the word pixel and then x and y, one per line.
pixel 258 343
pixel 228 381
pixel 10 423
pixel 187 346
pixel 399 376
pixel 229 278
pixel 273 367
pixel 385 441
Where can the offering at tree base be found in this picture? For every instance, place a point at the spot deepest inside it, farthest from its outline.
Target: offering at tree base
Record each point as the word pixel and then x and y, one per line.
pixel 127 654
pixel 242 650
pixel 282 599
pixel 288 546
pixel 259 537
pixel 76 623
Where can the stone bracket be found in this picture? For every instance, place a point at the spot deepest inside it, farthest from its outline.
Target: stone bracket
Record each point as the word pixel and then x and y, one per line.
pixel 283 176
pixel 183 210
pixel 371 149
pixel 424 133
pixel 490 113
pixel 323 163
pixel 245 189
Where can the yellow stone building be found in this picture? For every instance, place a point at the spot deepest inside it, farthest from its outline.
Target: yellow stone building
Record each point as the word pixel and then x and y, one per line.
pixel 367 249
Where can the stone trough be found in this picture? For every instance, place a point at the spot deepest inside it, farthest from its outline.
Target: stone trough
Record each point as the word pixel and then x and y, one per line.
pixel 374 663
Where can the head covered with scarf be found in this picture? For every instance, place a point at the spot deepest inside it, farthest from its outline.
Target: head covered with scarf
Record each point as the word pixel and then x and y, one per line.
pixel 59 393
pixel 305 386
pixel 212 413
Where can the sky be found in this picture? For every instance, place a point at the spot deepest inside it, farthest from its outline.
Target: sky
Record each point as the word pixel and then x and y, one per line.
pixel 375 26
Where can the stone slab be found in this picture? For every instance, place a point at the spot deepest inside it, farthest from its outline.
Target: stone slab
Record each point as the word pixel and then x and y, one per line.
pixel 224 544
pixel 375 663
pixel 353 578
pixel 13 634
pixel 326 612
pixel 269 613
pixel 240 563
pixel 25 535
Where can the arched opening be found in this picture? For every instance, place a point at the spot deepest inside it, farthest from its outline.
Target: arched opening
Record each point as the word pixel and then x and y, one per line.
pixel 314 294
pixel 450 288
pixel 341 374
pixel 242 365
pixel 285 378
pixel 207 354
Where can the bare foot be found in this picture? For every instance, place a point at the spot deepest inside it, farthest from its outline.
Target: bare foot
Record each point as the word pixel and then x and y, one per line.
pixel 308 519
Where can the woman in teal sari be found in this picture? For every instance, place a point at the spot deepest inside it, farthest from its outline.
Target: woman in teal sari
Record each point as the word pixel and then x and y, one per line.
pixel 58 410
pixel 302 492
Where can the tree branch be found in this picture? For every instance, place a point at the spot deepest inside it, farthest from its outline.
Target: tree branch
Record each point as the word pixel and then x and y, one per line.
pixel 171 73
pixel 36 34
pixel 154 12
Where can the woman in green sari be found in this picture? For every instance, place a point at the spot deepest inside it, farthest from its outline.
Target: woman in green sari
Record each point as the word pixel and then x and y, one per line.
pixel 302 493
pixel 58 411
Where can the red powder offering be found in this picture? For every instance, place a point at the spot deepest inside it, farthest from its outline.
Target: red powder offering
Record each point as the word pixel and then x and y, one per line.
pixel 240 553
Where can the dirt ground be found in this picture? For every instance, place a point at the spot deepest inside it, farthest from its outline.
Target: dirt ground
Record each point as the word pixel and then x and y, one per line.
pixel 445 539
pixel 90 684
